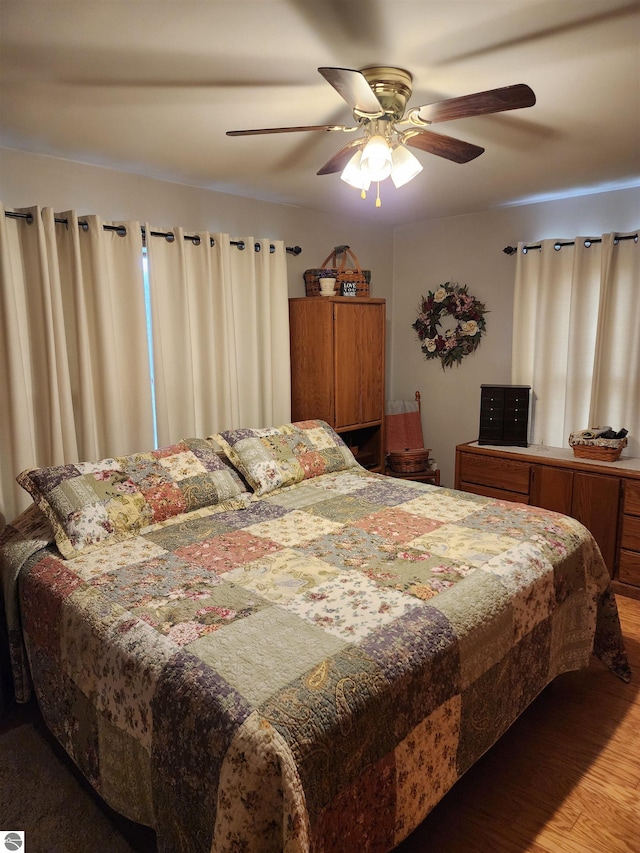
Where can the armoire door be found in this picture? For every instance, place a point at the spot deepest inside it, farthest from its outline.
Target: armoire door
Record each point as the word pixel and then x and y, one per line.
pixel 312 373
pixel 358 363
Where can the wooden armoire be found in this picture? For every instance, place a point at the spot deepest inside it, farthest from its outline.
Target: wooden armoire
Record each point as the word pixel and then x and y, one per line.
pixel 338 369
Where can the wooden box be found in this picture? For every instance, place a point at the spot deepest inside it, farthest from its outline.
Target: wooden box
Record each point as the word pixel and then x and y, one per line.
pixel 504 415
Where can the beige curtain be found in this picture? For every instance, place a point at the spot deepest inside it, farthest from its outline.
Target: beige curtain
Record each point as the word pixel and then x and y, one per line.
pixel 615 396
pixel 74 382
pixel 220 334
pixel 259 289
pixel 576 336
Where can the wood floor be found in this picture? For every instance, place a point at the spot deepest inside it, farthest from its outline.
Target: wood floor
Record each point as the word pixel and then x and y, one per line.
pixel 564 779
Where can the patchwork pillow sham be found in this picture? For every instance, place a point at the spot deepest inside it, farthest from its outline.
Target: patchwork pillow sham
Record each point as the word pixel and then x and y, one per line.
pixel 91 504
pixel 274 457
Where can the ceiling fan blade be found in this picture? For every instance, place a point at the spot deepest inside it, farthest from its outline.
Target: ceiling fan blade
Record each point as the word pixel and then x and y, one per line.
pixel 481 103
pixel 443 146
pixel 340 158
pixel 352 86
pixel 264 130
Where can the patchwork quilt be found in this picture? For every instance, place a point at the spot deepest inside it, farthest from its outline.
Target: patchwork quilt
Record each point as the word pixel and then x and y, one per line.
pixel 310 672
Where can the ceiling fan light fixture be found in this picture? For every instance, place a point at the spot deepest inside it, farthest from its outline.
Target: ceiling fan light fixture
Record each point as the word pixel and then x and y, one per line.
pixel 376 159
pixel 354 175
pixel 404 166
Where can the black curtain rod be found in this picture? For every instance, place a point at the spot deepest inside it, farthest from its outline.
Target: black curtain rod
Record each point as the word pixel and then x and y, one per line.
pixel 511 250
pixel 168 235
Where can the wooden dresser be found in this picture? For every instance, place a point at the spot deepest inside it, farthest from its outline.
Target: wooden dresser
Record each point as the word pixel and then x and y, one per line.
pixel 338 368
pixel 604 496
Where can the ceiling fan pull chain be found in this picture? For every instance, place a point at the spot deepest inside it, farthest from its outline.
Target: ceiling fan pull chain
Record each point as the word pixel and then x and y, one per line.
pixel 378 202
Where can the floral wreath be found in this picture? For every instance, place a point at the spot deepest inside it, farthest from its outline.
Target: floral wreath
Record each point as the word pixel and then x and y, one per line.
pixel 451 346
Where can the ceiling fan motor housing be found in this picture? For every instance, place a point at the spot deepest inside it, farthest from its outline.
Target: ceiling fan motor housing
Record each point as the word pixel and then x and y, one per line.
pixel 391 86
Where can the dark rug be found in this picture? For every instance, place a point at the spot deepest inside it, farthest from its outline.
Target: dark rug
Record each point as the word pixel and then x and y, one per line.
pixel 42 793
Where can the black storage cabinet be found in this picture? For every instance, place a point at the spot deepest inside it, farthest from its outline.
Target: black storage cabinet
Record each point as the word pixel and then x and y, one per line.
pixel 504 414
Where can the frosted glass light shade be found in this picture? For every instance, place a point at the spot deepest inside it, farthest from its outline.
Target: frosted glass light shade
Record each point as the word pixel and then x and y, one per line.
pixel 404 166
pixel 376 158
pixel 353 175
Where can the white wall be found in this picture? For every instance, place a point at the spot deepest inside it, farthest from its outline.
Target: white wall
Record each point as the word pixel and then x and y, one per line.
pixel 468 250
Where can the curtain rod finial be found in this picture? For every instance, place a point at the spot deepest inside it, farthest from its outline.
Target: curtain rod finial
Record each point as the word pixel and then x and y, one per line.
pixel 510 250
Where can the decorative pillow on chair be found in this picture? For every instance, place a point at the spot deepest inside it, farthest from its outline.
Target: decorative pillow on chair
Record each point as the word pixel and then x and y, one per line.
pixel 91 504
pixel 280 456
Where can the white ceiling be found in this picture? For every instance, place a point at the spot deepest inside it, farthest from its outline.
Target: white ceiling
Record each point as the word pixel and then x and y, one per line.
pixel 151 87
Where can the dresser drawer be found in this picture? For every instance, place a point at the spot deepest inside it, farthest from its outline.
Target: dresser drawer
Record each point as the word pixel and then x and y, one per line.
pixel 630 533
pixel 492 399
pixel 516 402
pixel 491 428
pixel 629 571
pixel 632 497
pixel 495 472
pixel 499 494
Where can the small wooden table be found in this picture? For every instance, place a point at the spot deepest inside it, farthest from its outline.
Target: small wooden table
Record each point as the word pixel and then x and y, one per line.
pixel 432 475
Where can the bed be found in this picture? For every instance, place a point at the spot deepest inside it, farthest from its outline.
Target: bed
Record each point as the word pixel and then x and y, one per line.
pixel 250 643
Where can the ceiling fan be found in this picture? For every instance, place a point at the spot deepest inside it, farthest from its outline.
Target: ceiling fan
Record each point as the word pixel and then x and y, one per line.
pixel 378 96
